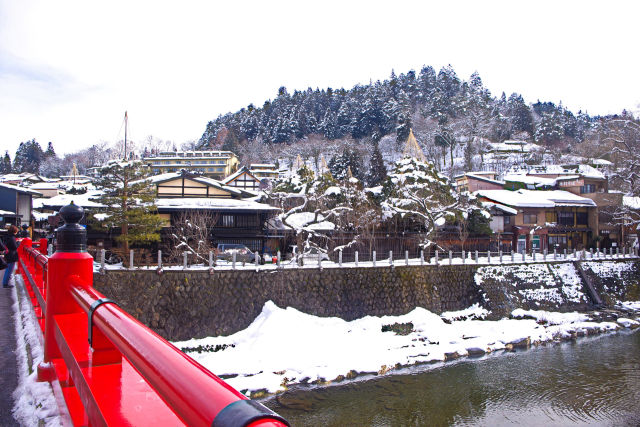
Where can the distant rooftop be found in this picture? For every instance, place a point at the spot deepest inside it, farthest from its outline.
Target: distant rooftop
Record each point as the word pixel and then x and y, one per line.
pixel 193 154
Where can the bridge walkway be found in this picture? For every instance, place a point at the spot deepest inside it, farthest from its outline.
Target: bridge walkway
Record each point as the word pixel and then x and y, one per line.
pixel 8 363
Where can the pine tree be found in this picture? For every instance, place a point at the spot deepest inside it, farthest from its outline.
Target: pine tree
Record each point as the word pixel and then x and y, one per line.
pixel 5 166
pixel 28 157
pixel 349 159
pixel 129 200
pixel 50 153
pixel 377 170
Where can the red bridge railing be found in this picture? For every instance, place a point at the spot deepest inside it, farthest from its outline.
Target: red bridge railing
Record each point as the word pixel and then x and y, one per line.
pixel 107 367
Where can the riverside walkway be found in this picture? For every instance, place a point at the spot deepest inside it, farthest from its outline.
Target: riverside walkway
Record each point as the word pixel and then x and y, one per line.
pixel 8 366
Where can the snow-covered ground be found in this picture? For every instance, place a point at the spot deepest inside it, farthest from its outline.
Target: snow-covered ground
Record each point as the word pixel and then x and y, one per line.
pixel 383 260
pixel 284 346
pixel 34 401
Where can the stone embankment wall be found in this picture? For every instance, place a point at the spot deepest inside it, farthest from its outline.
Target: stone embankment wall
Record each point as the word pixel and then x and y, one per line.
pixel 193 304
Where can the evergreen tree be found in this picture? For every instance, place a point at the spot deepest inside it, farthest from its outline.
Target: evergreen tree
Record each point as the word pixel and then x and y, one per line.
pixel 50 153
pixel 28 157
pixel 519 114
pixel 5 166
pixel 377 170
pixel 349 159
pixel 129 200
pixel 550 130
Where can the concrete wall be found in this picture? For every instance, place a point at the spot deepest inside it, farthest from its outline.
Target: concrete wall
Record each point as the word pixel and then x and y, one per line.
pixel 193 304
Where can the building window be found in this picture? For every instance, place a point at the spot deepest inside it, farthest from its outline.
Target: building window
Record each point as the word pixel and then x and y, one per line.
pixel 588 188
pixel 582 218
pixel 227 220
pixel 551 217
pixel 557 241
pixel 565 218
pixel 530 218
pixel 507 220
pixel 246 221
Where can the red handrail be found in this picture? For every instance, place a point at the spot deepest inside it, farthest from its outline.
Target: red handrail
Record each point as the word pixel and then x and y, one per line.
pixel 61 290
pixel 194 393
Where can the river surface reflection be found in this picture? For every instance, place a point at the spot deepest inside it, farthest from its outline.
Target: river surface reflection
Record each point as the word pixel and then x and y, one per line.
pixel 594 381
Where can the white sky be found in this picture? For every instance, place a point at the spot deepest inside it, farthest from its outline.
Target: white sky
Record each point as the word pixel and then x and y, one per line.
pixel 69 69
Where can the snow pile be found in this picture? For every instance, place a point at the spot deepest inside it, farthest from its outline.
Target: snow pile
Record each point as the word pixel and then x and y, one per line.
pixel 262 356
pixel 555 283
pixel 631 305
pixel 475 312
pixel 34 401
pixel 571 282
pixel 608 268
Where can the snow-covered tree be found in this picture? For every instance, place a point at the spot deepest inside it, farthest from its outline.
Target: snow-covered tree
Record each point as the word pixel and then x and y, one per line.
pixel 417 193
pixel 377 172
pixel 5 166
pixel 624 133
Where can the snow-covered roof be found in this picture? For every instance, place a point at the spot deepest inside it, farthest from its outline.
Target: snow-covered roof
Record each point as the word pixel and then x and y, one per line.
pixel 20 189
pixel 601 162
pixel 38 202
pixel 585 171
pixel 513 146
pixel 44 186
pixel 480 177
pixel 538 181
pixel 535 198
pixel 83 200
pixel 5 213
pixel 40 216
pixel 631 202
pixel 212 203
pixel 498 206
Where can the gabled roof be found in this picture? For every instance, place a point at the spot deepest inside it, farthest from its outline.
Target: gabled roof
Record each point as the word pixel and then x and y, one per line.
pixel 242 170
pixel 535 198
pixel 483 178
pixel 502 208
pixel 20 189
pixel 166 177
pixel 84 200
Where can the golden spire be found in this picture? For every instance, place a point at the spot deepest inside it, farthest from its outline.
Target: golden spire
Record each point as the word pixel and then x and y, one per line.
pixel 298 163
pixel 349 174
pixel 74 172
pixel 412 149
pixel 324 168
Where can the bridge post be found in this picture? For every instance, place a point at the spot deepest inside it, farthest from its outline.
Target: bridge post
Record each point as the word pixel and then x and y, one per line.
pixel 42 246
pixel 70 261
pixel 25 243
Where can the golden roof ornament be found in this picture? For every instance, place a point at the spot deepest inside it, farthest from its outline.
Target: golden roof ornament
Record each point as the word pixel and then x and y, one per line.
pixel 412 148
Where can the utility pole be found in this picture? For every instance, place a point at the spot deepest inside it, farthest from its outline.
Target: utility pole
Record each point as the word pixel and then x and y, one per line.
pixel 126 119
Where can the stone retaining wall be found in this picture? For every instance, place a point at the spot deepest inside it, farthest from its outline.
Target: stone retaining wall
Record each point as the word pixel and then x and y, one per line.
pixel 193 304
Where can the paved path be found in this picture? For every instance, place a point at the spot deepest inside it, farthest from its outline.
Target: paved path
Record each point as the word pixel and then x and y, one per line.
pixel 8 367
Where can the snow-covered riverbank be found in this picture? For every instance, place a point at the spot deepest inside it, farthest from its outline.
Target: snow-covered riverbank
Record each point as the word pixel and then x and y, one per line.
pixel 285 346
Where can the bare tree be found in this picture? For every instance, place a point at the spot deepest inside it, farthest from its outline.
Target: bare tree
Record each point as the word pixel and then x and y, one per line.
pixel 191 233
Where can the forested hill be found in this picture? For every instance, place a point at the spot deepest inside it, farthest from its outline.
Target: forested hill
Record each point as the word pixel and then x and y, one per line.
pixel 450 107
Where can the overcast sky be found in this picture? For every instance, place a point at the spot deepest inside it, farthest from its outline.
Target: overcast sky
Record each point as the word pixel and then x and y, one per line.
pixel 70 69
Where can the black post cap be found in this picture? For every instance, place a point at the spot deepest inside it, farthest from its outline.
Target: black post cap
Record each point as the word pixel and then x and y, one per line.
pixel 71 237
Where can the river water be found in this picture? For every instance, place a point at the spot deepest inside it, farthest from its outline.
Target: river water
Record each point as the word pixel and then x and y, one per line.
pixel 592 381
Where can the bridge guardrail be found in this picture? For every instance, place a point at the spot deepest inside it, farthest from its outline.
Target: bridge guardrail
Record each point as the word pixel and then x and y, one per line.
pixel 108 367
